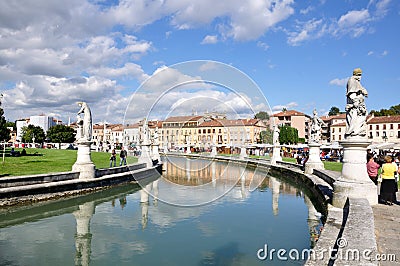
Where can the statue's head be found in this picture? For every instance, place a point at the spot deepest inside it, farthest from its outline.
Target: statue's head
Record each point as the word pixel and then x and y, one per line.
pixel 357 72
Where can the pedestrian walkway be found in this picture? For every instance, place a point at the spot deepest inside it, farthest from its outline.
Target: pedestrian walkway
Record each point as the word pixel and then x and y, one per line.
pixel 387 231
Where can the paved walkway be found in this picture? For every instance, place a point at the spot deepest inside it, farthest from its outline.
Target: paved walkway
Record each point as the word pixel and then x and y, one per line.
pixel 387 230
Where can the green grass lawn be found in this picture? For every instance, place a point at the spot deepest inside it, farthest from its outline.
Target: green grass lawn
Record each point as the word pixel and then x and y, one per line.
pixel 334 166
pixel 40 161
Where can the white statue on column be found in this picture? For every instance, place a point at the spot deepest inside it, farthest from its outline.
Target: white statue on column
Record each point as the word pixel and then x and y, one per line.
pixel 356 110
pixel 316 126
pixel 354 181
pixel 84 163
pixel 276 150
pixel 314 160
pixel 85 124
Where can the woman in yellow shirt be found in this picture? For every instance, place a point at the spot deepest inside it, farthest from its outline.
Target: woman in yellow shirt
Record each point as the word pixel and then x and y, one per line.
pixel 388 186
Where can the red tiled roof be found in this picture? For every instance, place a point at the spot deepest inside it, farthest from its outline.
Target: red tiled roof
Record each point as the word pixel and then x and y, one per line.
pixel 339 125
pixel 384 119
pixel 229 123
pixel 329 118
pixel 289 113
pixel 186 118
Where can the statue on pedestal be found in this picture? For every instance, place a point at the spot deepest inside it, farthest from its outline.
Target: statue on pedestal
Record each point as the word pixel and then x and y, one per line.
pixel 85 124
pixel 316 126
pixel 356 110
pixel 275 137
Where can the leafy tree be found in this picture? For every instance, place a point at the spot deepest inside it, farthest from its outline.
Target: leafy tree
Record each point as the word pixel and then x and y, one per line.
pixel 334 111
pixel 393 110
pixel 284 109
pixel 262 115
pixel 266 136
pixel 288 135
pixel 61 134
pixel 32 131
pixel 11 124
pixel 4 132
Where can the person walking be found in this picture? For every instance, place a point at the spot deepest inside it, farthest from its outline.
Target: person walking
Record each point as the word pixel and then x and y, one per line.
pixel 113 158
pixel 122 155
pixel 372 168
pixel 388 186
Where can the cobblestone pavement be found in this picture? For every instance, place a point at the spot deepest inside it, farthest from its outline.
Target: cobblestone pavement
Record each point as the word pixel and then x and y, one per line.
pixel 387 231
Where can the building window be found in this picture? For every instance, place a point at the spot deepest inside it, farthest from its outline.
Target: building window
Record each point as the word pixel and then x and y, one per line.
pixel 213 130
pixel 199 131
pixel 377 127
pixel 391 126
pixel 370 135
pixel 384 127
pixel 377 133
pixel 340 137
pixel 208 131
pixel 370 127
pixel 333 137
pixel 333 130
pixel 204 131
pixel 340 129
pixel 219 131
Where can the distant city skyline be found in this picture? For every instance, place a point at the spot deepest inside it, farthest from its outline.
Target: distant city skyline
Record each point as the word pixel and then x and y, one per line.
pixel 299 53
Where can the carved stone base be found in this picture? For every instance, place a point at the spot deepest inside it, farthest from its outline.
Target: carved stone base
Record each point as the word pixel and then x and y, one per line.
pixel 314 160
pixel 213 151
pixel 84 163
pixel 156 154
pixel 276 154
pixel 145 156
pixel 243 153
pixel 354 181
pixel 344 189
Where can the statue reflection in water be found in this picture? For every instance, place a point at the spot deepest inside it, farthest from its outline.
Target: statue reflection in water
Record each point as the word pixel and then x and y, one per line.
pixel 275 186
pixel 313 221
pixel 83 237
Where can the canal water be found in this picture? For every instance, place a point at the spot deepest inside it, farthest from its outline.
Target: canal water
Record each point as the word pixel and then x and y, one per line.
pixel 197 213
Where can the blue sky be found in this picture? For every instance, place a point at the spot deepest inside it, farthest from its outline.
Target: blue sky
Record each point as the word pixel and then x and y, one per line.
pixel 299 53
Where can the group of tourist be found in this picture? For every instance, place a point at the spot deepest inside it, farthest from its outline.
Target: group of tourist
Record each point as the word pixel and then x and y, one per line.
pixel 122 155
pixel 384 172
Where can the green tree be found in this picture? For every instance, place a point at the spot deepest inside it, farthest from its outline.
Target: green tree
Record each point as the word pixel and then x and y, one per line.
pixel 284 109
pixel 4 131
pixel 393 110
pixel 334 111
pixel 32 131
pixel 288 135
pixel 266 136
pixel 61 134
pixel 262 115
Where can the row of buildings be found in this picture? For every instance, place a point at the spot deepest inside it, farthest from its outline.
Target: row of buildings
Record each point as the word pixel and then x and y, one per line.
pixel 201 131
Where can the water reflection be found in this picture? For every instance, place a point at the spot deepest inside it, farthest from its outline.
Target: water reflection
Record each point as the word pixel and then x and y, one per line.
pixel 135 224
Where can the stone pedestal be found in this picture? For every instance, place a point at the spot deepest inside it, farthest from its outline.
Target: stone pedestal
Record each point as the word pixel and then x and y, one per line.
pixel 145 156
pixel 354 181
pixel 276 154
pixel 213 151
pixel 84 163
pixel 156 153
pixel 243 154
pixel 188 150
pixel 314 160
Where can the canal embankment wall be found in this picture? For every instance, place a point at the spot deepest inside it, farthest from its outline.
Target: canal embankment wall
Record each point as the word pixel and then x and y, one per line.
pixel 20 189
pixel 348 235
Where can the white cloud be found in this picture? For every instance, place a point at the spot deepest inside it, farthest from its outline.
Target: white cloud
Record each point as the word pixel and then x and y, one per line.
pixel 209 65
pixel 288 106
pixel 354 17
pixel 241 20
pixel 370 53
pixel 385 53
pixel 306 10
pixel 263 45
pixel 210 39
pixel 353 23
pixel 339 82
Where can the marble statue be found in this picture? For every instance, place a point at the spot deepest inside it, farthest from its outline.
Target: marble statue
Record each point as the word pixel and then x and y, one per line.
pixel 316 126
pixel 356 111
pixel 85 123
pixel 275 137
pixel 155 136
